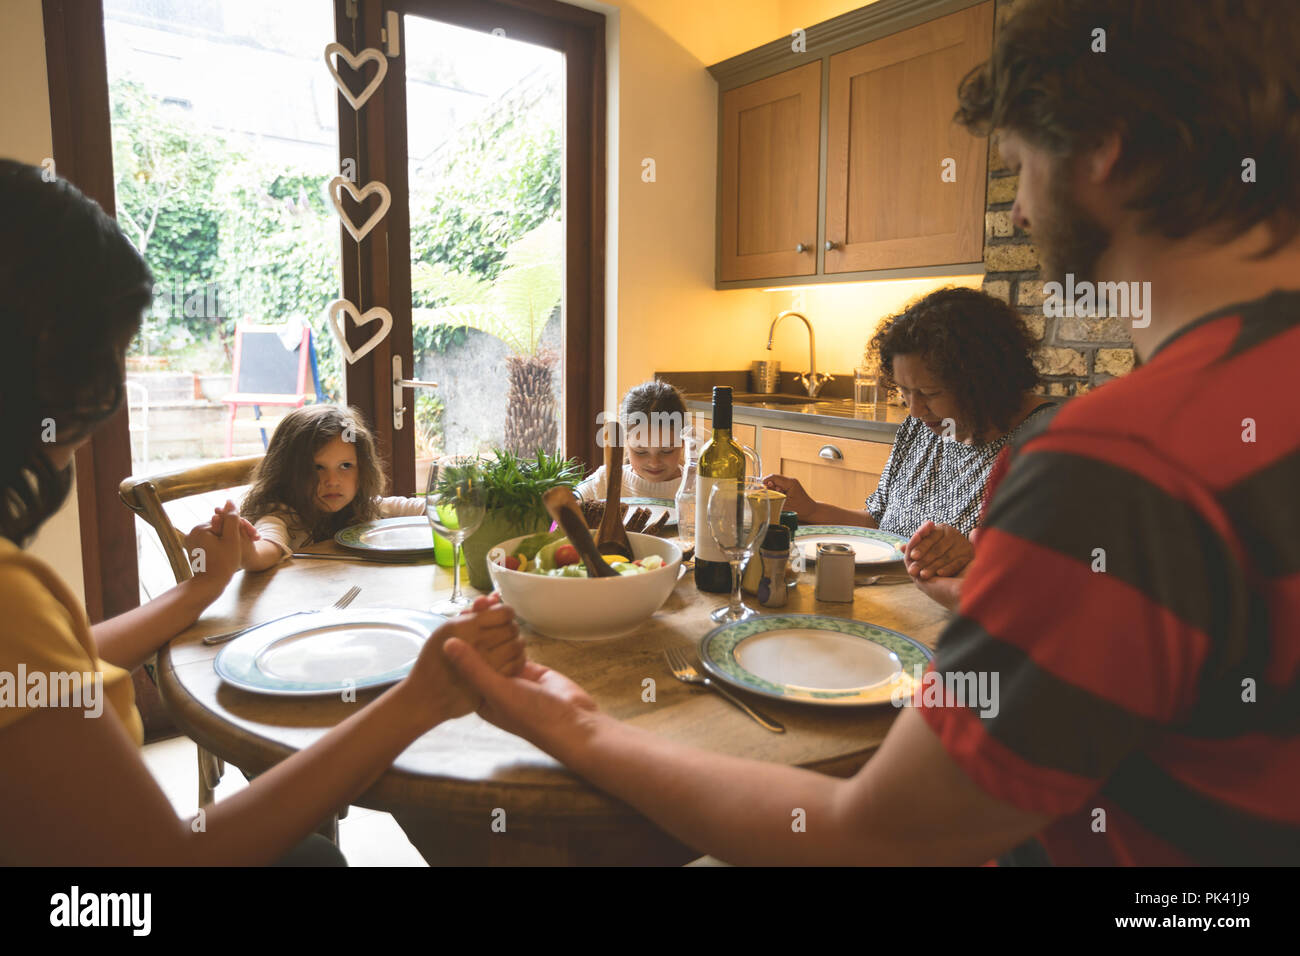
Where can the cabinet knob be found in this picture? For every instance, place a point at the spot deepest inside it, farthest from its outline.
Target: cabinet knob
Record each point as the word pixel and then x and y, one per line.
pixel 831 452
pixel 831 246
pixel 800 247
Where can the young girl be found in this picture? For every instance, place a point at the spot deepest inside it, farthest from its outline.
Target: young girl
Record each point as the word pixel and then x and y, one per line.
pixel 654 419
pixel 320 475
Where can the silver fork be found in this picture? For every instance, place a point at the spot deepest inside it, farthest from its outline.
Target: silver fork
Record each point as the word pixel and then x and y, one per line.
pixel 684 671
pixel 348 597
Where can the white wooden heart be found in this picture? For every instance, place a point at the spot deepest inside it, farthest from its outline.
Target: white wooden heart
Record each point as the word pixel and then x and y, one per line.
pixel 355 62
pixel 371 188
pixel 338 306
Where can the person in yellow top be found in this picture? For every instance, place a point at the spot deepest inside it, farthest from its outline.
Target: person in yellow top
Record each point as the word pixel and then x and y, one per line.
pixel 72 292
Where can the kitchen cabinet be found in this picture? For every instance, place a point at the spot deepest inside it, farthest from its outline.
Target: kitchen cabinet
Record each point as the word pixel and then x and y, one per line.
pixel 838 471
pixel 904 183
pixel 849 165
pixel 770 166
pixel 745 434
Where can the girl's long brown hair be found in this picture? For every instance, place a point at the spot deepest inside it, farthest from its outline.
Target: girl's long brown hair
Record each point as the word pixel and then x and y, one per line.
pixel 285 481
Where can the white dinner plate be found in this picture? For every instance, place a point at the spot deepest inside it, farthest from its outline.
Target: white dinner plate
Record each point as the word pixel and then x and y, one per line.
pixel 814 659
pixel 327 652
pixel 405 537
pixel 871 546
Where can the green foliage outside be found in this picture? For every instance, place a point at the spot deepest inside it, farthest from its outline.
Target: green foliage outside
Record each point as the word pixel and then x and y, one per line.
pixel 208 214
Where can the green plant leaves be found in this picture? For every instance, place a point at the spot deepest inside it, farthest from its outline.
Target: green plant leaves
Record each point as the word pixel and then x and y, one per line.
pixel 516 485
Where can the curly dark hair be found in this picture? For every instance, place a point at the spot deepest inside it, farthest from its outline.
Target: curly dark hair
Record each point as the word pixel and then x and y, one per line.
pixel 978 346
pixel 72 293
pixel 1193 89
pixel 285 480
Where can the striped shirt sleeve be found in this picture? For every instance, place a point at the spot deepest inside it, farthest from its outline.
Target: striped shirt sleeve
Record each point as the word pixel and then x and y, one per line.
pixel 1103 579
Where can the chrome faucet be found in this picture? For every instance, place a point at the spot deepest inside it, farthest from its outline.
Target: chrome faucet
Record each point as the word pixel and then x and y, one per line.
pixel 814 380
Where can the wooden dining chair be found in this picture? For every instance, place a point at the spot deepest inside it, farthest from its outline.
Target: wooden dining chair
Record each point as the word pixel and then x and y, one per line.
pixel 146 497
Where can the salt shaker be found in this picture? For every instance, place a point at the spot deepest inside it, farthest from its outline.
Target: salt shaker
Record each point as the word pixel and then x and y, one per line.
pixel 834 573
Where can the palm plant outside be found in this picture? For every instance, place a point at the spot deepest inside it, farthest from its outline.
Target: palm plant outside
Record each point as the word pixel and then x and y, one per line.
pixel 514 308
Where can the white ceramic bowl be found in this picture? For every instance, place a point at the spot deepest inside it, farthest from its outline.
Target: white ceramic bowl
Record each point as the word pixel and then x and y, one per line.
pixel 588 609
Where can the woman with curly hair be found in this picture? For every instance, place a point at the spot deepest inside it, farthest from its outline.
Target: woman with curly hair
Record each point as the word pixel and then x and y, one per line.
pixel 963 362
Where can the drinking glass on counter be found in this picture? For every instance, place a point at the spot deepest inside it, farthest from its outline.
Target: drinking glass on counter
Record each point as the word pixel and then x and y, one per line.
pixel 739 512
pixel 868 389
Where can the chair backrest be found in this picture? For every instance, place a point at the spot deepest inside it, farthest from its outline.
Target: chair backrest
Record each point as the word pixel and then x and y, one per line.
pixel 263 366
pixel 146 496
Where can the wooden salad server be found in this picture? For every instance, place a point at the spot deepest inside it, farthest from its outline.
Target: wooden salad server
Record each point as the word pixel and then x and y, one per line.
pixel 611 536
pixel 563 507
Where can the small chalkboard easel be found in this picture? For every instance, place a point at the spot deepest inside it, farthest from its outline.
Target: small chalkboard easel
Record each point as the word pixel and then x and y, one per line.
pixel 267 373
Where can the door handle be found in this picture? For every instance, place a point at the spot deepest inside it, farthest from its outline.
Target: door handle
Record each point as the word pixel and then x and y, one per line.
pixel 831 452
pixel 400 383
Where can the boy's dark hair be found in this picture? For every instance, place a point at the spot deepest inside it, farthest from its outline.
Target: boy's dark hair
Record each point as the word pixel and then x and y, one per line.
pixel 286 477
pixel 978 346
pixel 72 293
pixel 1194 89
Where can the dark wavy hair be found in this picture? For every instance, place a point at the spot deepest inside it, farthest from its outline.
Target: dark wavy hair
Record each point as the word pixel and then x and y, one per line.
pixel 72 293
pixel 1193 89
pixel 978 346
pixel 285 479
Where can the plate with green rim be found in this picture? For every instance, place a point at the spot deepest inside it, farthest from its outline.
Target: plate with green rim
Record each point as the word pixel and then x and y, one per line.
pixel 815 659
pixel 871 546
pixel 327 652
pixel 397 538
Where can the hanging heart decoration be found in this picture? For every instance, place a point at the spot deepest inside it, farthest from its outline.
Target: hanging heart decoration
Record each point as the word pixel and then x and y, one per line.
pixel 334 312
pixel 355 62
pixel 371 189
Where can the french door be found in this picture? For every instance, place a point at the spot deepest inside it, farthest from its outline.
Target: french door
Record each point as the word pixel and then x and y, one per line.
pixel 481 216
pixel 377 270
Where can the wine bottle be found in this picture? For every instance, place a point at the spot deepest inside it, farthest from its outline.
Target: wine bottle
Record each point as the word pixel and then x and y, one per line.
pixel 720 458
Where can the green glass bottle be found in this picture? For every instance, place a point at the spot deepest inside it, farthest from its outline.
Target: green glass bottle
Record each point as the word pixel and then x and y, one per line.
pixel 721 458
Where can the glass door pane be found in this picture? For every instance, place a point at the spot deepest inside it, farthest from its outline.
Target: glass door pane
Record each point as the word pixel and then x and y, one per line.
pixel 224 125
pixel 485 135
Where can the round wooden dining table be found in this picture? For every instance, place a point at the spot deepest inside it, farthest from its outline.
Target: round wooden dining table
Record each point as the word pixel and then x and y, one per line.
pixel 466 792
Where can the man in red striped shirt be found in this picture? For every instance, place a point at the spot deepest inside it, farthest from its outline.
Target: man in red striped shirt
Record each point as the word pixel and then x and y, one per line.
pixel 1134 601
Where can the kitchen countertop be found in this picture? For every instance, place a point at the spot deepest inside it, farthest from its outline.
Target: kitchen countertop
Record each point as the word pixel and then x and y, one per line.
pixel 833 416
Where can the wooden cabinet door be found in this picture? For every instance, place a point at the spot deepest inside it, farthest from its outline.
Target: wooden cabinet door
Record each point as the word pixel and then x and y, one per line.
pixel 745 434
pixel 838 471
pixel 771 146
pixel 890 139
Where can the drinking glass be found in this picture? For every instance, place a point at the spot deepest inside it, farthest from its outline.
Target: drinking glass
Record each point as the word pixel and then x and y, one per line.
pixel 739 512
pixel 867 387
pixel 455 504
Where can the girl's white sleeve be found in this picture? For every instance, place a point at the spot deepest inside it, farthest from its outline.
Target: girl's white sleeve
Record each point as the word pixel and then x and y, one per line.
pixel 399 507
pixel 272 528
pixel 593 488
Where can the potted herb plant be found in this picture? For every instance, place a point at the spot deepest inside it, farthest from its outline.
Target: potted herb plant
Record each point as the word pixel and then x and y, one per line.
pixel 514 487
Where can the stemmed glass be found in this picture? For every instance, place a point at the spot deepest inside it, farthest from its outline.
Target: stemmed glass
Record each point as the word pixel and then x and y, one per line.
pixel 455 506
pixel 738 517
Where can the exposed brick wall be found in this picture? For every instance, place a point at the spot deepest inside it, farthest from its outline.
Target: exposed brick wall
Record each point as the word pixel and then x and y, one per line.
pixel 1076 354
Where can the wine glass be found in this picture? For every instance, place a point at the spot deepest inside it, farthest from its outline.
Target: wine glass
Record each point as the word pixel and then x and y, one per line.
pixel 455 505
pixel 738 517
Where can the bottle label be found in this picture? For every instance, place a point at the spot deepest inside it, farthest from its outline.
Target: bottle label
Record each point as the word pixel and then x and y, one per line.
pixel 706 549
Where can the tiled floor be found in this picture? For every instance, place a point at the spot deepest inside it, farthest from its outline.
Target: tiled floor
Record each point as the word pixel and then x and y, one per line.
pixel 367 837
